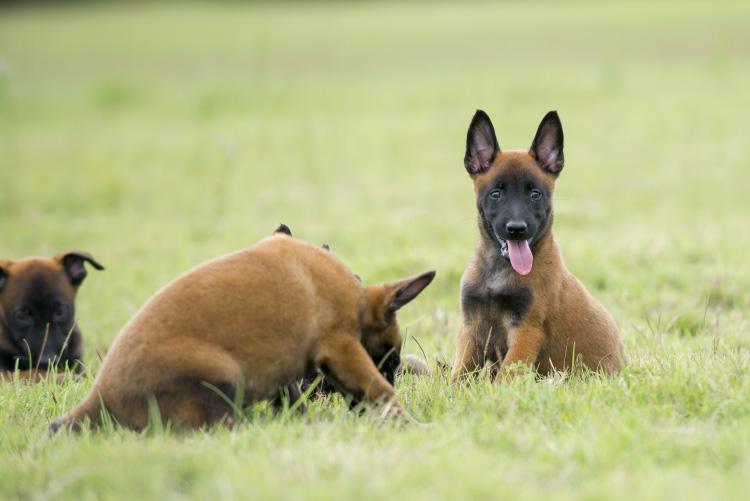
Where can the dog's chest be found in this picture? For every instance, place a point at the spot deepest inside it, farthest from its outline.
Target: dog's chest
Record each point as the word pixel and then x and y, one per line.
pixel 493 307
pixel 497 298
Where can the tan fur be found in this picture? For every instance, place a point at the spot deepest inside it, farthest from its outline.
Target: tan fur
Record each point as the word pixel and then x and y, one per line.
pixel 257 319
pixel 563 323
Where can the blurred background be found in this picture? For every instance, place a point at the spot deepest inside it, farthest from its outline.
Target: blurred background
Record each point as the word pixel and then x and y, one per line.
pixel 159 135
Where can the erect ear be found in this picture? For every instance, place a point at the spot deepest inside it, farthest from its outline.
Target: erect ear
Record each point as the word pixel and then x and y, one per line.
pixel 547 147
pixel 73 263
pixel 4 265
pixel 481 144
pixel 404 291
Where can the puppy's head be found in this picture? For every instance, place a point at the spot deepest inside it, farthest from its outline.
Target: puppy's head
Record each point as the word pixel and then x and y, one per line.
pixel 37 308
pixel 514 189
pixel 380 333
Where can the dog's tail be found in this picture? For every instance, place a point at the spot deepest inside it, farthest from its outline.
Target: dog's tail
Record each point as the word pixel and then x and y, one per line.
pixel 89 410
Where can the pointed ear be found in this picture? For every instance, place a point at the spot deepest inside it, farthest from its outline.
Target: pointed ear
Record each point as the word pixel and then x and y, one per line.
pixel 73 263
pixel 481 144
pixel 547 147
pixel 404 291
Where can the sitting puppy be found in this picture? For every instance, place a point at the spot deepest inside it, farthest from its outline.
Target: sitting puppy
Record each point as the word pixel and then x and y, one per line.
pixel 37 313
pixel 519 302
pixel 248 324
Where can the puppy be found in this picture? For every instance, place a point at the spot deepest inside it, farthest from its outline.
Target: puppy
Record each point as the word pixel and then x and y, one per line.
pixel 37 313
pixel 518 300
pixel 248 324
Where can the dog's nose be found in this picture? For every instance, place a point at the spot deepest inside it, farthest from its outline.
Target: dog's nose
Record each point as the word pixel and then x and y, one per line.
pixel 516 228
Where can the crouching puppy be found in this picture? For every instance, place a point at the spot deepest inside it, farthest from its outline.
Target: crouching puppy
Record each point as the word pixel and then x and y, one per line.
pixel 520 304
pixel 37 314
pixel 249 324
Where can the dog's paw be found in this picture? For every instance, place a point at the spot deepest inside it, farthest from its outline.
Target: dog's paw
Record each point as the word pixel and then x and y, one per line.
pixel 412 364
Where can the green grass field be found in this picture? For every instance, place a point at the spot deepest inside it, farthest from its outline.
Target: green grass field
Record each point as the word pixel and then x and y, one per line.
pixel 158 136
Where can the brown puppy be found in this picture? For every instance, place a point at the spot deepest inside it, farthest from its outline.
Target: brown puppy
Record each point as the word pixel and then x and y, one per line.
pixel 518 300
pixel 250 322
pixel 37 313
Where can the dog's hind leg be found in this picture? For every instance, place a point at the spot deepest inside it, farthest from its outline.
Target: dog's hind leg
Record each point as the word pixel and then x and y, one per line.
pixel 125 388
pixel 197 404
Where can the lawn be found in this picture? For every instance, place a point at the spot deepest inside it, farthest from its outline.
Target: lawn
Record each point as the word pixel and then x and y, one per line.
pixel 157 136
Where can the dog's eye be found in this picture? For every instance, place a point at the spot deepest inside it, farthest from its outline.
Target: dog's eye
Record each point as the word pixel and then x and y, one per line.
pixel 60 311
pixel 24 315
pixel 496 194
pixel 535 195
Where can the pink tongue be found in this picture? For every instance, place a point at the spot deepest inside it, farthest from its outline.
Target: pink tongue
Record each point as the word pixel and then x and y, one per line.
pixel 520 256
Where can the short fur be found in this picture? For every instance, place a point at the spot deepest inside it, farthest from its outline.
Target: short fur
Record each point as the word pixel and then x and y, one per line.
pixel 546 319
pixel 257 320
pixel 37 313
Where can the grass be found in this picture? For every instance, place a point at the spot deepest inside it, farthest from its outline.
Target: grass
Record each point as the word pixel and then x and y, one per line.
pixel 157 136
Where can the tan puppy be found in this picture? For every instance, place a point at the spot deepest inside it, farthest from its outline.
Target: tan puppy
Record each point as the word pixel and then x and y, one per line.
pixel 252 322
pixel 519 302
pixel 37 313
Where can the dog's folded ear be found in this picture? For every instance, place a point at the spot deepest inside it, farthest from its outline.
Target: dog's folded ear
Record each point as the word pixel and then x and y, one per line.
pixel 481 144
pixel 547 147
pixel 73 263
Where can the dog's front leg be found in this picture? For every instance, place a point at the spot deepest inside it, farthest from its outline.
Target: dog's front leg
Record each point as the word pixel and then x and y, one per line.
pixel 468 355
pixel 524 345
pixel 344 358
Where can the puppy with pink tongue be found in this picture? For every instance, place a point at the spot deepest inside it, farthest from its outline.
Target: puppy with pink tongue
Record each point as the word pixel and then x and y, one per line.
pixel 519 303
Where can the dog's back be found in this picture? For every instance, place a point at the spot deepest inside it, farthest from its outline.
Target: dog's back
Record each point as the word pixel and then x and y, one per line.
pixel 317 289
